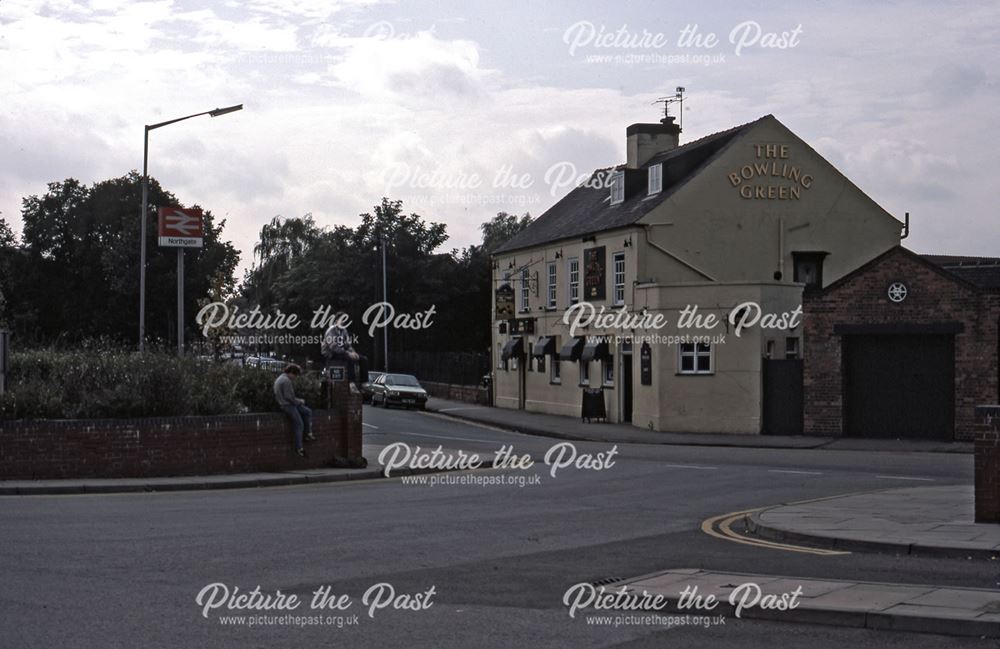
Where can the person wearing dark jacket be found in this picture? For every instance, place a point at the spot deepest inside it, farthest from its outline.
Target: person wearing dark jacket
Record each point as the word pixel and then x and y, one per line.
pixel 336 347
pixel 294 408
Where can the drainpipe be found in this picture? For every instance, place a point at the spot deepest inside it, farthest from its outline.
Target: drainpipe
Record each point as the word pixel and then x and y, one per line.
pixel 781 248
pixel 906 226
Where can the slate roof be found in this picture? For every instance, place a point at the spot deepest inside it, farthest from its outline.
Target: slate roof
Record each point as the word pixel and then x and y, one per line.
pixel 983 272
pixel 587 209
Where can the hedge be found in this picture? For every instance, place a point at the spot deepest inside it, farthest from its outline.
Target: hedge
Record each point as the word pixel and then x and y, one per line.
pixel 90 384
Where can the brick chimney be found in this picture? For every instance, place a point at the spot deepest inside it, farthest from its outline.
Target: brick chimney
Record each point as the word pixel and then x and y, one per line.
pixel 643 141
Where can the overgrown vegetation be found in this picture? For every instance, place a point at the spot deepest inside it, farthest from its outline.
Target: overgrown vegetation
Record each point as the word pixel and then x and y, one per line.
pixel 108 383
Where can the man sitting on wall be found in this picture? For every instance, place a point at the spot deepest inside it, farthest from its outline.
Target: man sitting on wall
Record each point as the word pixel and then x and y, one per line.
pixel 294 408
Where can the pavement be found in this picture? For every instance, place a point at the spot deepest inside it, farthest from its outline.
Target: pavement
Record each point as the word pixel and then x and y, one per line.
pixel 899 607
pixel 572 428
pixel 193 483
pixel 929 521
pixel 500 556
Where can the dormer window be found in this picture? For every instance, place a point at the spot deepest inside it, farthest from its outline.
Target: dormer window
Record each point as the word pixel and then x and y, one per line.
pixel 618 188
pixel 656 179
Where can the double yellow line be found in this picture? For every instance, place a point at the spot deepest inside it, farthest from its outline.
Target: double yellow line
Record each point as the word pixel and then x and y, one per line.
pixel 721 528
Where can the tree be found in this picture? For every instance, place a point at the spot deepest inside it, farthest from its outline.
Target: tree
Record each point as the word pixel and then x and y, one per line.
pixel 7 238
pixel 79 276
pixel 501 228
pixel 7 249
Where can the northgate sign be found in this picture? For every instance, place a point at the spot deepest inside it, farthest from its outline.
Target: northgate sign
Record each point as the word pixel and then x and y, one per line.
pixel 180 228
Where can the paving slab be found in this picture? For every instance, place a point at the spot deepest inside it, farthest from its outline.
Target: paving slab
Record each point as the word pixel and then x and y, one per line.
pixel 194 483
pixel 573 428
pixel 931 521
pixel 909 607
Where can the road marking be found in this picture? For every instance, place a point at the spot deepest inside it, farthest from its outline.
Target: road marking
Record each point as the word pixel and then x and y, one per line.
pixel 795 472
pixel 721 528
pixel 904 477
pixel 370 426
pixel 691 466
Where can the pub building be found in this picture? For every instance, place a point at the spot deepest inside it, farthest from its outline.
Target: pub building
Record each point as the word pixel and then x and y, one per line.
pixel 749 225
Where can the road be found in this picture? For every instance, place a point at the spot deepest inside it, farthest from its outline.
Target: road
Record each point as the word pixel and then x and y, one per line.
pixel 125 570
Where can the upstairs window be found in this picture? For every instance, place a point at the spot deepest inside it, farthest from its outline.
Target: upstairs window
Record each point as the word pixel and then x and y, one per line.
pixel 656 179
pixel 808 269
pixel 618 188
pixel 574 280
pixel 618 293
pixel 551 303
pixel 525 286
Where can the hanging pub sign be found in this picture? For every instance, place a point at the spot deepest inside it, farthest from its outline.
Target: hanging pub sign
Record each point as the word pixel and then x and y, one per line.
pixel 505 302
pixel 646 365
pixel 593 273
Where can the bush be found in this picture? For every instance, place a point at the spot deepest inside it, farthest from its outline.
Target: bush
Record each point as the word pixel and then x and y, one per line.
pixel 49 384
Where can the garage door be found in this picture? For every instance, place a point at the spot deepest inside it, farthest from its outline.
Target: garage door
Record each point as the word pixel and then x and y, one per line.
pixel 899 385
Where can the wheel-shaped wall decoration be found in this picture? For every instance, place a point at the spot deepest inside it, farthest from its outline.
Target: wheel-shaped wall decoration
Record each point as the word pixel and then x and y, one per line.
pixel 897 291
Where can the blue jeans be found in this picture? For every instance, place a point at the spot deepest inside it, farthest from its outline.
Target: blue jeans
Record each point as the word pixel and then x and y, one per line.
pixel 301 418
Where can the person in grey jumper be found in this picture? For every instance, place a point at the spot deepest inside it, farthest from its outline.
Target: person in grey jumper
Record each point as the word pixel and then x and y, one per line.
pixel 294 408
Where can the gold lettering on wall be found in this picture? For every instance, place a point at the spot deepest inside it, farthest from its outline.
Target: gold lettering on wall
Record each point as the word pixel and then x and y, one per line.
pixel 756 179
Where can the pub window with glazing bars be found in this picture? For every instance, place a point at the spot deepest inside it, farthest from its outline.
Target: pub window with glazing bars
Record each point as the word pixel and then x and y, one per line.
pixel 574 280
pixel 552 285
pixel 525 286
pixel 695 358
pixel 619 270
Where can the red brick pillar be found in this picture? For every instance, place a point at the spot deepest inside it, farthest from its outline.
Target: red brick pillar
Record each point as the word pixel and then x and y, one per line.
pixel 987 464
pixel 346 405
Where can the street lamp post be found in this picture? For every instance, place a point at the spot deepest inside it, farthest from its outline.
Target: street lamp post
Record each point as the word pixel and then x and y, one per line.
pixel 143 215
pixel 385 298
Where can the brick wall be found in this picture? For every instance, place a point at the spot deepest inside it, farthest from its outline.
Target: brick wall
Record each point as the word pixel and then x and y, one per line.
pixel 174 446
pixel 988 464
pixel 933 297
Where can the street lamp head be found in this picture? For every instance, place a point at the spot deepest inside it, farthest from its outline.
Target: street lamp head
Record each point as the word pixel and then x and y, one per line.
pixel 223 111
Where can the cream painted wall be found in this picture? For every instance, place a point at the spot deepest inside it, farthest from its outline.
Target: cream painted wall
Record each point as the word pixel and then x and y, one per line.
pixel 541 394
pixel 729 399
pixel 732 238
pixel 704 245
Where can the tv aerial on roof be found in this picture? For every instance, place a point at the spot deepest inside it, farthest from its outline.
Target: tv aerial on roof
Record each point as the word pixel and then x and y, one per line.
pixel 677 98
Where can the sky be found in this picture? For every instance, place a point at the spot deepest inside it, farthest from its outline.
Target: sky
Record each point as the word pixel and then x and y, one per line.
pixel 462 109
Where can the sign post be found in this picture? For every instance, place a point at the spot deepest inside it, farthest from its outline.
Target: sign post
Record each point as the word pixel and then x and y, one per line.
pixel 4 344
pixel 180 228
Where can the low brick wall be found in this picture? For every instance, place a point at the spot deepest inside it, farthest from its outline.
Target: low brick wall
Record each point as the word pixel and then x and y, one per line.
pixel 176 446
pixel 987 443
pixel 465 393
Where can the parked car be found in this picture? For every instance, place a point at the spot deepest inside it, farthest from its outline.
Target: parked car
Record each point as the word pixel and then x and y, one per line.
pixel 398 390
pixel 366 387
pixel 265 363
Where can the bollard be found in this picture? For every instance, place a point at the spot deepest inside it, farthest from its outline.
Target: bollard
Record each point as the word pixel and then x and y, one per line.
pixel 987 460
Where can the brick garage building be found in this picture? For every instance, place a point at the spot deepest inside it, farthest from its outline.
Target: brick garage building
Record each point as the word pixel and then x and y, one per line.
pixel 904 346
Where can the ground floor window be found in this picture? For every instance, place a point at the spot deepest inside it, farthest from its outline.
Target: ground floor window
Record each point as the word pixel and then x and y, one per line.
pixel 791 347
pixel 695 358
pixel 608 371
pixel 554 372
pixel 540 363
pixel 584 373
